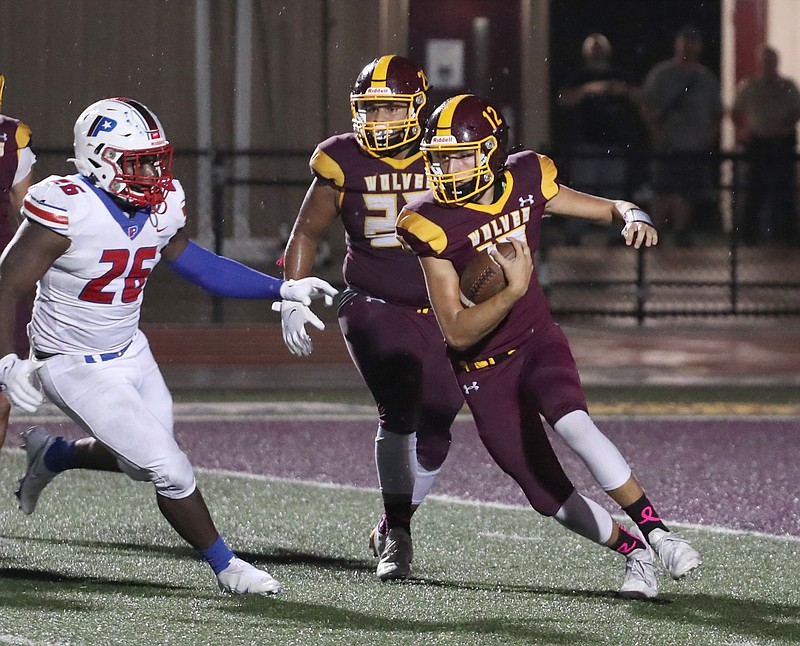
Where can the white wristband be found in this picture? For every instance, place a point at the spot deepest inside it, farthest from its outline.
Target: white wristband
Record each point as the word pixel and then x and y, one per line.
pixel 636 215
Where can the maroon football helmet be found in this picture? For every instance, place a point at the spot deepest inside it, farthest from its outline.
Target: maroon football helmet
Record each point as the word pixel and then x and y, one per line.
pixel 389 80
pixel 462 124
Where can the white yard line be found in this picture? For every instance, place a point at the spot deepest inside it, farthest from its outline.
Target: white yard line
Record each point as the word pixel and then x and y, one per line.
pixel 713 529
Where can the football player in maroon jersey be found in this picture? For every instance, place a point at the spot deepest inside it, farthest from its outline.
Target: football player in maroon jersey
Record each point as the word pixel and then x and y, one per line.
pixel 16 161
pixel 365 178
pixel 512 361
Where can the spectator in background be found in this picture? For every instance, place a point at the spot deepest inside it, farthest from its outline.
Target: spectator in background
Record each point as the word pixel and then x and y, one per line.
pixel 16 162
pixel 766 111
pixel 682 107
pixel 602 123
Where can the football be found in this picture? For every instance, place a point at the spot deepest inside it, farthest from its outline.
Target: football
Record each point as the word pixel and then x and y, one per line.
pixel 482 278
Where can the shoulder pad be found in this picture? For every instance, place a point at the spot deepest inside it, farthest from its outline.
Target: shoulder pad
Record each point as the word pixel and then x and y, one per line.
pixel 176 204
pixel 23 135
pixel 327 167
pixel 549 173
pixel 421 235
pixel 49 202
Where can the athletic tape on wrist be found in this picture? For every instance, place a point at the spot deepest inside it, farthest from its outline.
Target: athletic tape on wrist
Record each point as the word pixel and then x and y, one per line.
pixel 636 215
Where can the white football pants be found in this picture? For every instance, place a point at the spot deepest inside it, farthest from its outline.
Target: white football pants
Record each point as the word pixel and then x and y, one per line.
pixel 125 404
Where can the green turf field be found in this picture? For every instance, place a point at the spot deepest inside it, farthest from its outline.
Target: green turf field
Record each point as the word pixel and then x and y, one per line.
pixel 96 564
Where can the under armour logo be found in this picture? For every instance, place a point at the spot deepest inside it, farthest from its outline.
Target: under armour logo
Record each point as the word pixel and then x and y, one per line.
pixel 3 136
pixel 526 200
pixel 473 386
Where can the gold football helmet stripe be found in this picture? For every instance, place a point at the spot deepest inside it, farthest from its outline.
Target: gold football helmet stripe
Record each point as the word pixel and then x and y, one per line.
pixel 2 88
pixel 445 122
pixel 381 71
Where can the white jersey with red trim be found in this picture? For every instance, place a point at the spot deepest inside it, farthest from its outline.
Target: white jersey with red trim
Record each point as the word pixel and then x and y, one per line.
pixel 89 301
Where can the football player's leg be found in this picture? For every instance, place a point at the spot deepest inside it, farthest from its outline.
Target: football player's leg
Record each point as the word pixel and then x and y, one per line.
pixel 515 437
pixel 441 401
pixel 47 456
pixel 384 347
pixel 554 377
pixel 105 400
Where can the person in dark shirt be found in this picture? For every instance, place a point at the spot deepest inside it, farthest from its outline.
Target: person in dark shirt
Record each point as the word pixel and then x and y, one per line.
pixel 766 111
pixel 511 359
pixel 602 126
pixel 365 178
pixel 682 107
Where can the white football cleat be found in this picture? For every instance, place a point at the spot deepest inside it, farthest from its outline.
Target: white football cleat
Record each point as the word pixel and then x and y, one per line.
pixel 36 441
pixel 242 578
pixel 677 556
pixel 395 561
pixel 377 540
pixel 639 581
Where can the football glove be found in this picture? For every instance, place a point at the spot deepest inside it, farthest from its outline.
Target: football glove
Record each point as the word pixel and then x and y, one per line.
pixel 294 317
pixel 307 289
pixel 15 376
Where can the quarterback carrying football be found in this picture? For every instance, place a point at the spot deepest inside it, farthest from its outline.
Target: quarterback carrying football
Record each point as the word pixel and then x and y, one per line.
pixel 512 361
pixel 89 241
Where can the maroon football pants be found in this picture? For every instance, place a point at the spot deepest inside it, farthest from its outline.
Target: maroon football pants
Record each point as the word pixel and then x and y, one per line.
pixel 506 400
pixel 401 355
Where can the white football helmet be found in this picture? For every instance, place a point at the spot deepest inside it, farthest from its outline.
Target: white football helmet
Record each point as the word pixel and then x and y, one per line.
pixel 120 145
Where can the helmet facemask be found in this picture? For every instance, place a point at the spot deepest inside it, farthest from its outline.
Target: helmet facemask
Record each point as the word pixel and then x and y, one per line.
pixel 141 177
pixel 380 137
pixel 460 186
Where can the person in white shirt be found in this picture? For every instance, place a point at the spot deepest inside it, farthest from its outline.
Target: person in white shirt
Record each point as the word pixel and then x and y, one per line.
pixel 89 242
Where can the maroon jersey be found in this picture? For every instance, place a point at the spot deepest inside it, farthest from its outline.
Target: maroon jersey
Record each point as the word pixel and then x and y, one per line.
pixel 13 136
pixel 373 191
pixel 458 233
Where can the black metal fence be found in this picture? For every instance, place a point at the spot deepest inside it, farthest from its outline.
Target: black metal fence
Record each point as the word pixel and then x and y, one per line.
pixel 718 272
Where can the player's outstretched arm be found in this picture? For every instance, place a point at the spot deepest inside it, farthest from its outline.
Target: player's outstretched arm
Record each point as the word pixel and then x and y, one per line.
pixel 638 228
pixel 228 278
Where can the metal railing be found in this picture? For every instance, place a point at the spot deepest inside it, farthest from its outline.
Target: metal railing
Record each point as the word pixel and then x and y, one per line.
pixel 720 275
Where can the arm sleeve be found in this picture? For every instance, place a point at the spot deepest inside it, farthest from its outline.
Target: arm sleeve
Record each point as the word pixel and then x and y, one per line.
pixel 24 165
pixel 223 276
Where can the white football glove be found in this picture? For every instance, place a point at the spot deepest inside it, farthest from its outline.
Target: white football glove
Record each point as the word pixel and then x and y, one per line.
pixel 15 376
pixel 307 289
pixel 294 317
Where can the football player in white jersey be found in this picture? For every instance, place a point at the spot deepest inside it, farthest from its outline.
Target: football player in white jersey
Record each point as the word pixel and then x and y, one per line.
pixel 89 243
